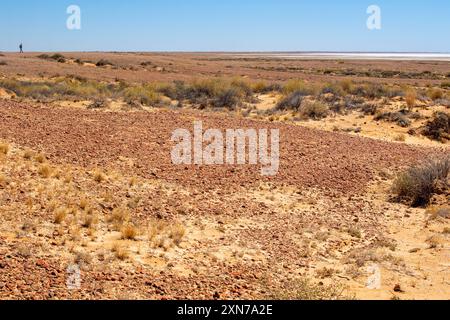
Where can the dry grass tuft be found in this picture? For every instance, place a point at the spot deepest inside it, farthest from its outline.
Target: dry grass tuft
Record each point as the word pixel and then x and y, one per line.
pixel 129 232
pixel 3 181
pixel 89 220
pixel 356 233
pixel 120 251
pixel 297 85
pixel 156 227
pixel 40 158
pixel 4 148
pixel 133 181
pixel 347 85
pixel 325 272
pixel 435 94
pixel 410 98
pixel 99 176
pixel 28 154
pixel 60 215
pixel 120 216
pixel 400 137
pixel 176 233
pixel 45 171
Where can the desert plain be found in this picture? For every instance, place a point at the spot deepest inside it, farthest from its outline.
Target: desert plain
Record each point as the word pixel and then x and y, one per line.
pixel 359 209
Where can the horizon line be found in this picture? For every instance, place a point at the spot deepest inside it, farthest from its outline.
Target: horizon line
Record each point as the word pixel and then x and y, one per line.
pixel 233 51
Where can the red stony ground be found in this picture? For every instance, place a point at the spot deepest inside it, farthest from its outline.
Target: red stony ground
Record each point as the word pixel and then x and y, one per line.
pixel 86 138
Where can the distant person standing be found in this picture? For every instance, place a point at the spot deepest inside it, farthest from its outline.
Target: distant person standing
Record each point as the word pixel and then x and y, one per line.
pixel 21 48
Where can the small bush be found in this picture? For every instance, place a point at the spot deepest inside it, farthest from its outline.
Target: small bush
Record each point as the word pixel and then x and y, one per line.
pixel 376 91
pixel 418 184
pixel 369 108
pixel 296 85
pixel 55 57
pixel 435 94
pixel 314 110
pixel 445 85
pixel 242 86
pixel 397 117
pixel 103 63
pixel 332 88
pixel 3 63
pixel 439 127
pixel 260 87
pixel 145 95
pixel 347 85
pixel 291 102
pixel 227 99
pixel 61 88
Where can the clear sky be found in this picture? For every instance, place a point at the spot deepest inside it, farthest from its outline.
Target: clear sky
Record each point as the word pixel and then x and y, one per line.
pixel 226 25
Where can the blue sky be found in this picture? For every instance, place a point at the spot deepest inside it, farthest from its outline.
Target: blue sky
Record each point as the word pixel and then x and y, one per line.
pixel 227 25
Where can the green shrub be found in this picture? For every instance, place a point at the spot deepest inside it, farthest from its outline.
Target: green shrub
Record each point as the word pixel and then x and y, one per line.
pixel 227 99
pixel 313 110
pixel 145 95
pixel 61 88
pixel 241 86
pixel 103 63
pixel 215 92
pixel 376 91
pixel 292 101
pixel 419 183
pixel 438 128
pixel 445 85
pixel 332 88
pixel 56 57
pixel 369 108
